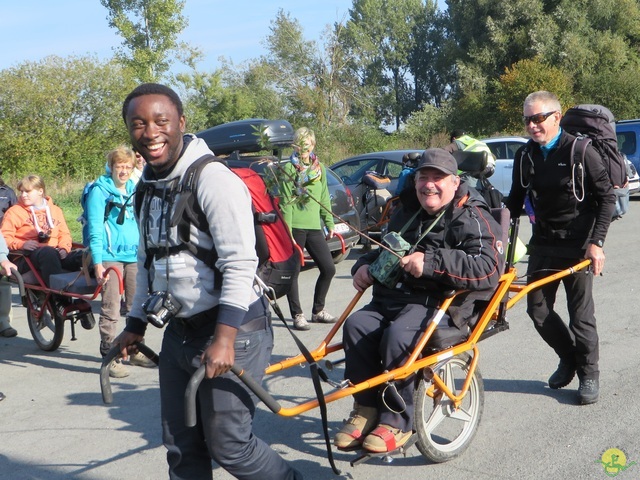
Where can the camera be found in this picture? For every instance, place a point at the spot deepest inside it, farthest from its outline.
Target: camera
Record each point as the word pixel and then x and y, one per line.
pixel 43 237
pixel 161 307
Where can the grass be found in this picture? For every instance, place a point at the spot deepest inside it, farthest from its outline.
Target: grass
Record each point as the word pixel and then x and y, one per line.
pixel 67 196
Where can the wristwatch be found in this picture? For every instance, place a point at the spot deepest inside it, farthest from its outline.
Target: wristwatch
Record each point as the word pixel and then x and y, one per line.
pixel 599 243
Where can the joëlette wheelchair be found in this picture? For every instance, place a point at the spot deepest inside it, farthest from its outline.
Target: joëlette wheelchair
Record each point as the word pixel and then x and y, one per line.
pixel 449 397
pixel 46 324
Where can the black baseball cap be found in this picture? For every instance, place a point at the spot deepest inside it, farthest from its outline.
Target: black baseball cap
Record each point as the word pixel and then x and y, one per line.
pixel 440 160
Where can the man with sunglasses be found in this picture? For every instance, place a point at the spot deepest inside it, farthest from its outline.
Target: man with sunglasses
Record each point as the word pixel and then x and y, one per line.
pixel 568 228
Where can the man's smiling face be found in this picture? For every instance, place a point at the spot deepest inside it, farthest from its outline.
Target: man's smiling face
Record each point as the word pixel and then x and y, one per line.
pixel 156 129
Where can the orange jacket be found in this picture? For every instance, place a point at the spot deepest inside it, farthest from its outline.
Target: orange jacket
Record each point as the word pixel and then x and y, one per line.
pixel 18 227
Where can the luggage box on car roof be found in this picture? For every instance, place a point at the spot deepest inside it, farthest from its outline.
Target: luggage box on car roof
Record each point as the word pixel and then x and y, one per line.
pixel 243 136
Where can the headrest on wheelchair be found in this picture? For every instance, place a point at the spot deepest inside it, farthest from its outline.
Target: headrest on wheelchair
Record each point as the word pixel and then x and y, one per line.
pixel 375 180
pixel 471 162
pixel 411 159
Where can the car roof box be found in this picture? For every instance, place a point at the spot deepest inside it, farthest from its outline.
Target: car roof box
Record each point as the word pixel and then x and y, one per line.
pixel 243 136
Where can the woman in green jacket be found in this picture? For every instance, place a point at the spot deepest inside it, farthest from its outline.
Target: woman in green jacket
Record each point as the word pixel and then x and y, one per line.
pixel 310 221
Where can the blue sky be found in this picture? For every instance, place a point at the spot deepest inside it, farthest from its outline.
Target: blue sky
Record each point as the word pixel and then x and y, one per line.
pixel 235 29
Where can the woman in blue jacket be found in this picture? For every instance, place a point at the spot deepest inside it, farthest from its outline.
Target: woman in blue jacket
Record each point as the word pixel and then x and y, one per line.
pixel 113 241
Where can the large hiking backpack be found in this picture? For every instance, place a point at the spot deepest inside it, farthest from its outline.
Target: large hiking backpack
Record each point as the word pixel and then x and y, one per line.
pixel 595 125
pixel 278 258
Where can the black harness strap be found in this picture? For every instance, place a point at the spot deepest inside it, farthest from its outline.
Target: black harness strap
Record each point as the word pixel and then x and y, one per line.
pixel 316 374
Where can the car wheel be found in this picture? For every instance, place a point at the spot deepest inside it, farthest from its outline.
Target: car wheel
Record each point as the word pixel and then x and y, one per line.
pixel 338 256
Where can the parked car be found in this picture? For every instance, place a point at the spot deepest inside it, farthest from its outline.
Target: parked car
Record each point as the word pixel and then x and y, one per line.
pixel 504 149
pixel 628 134
pixel 234 155
pixel 353 169
pixel 352 172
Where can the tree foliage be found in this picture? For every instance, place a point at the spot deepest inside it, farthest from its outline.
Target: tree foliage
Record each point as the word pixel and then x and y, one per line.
pixel 150 30
pixel 58 117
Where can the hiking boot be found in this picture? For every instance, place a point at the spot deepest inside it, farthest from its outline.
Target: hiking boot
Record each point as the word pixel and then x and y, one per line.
pixel 9 332
pixel 588 391
pixel 360 423
pixel 385 438
pixel 323 317
pixel 140 360
pixel 118 370
pixel 300 322
pixel 563 375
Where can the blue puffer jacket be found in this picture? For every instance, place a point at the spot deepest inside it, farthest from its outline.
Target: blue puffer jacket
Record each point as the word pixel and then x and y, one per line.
pixel 108 241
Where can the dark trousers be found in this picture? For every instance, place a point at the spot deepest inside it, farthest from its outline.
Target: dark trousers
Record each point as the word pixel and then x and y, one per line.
pixel 380 337
pixel 225 409
pixel 316 244
pixel 576 343
pixel 46 260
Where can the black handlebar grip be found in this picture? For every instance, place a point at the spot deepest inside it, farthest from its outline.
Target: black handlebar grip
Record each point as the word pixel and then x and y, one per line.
pixel 256 388
pixel 190 414
pixel 105 383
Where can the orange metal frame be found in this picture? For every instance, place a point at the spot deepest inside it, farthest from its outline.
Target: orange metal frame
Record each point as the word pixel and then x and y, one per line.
pixel 416 361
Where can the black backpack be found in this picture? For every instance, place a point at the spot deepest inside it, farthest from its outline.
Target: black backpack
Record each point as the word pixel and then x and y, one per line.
pixel 278 257
pixel 595 125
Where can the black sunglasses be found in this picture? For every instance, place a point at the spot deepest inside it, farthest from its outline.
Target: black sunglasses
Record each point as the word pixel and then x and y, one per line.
pixel 538 118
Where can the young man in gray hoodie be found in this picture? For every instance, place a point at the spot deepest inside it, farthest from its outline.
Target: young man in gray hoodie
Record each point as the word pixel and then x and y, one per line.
pixel 222 320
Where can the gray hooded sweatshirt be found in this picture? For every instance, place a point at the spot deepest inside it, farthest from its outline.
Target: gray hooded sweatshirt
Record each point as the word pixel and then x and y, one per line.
pixel 226 202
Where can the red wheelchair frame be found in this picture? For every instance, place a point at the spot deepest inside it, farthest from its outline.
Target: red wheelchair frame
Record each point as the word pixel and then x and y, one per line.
pixel 45 322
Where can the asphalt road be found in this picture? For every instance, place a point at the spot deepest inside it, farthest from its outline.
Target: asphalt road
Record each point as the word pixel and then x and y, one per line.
pixel 53 424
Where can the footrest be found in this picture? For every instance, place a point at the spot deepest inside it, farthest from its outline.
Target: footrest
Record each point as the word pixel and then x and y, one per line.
pixel 366 456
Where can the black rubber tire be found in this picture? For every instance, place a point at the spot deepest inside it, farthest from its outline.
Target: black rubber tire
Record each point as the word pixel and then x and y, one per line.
pixel 49 331
pixel 444 434
pixel 338 256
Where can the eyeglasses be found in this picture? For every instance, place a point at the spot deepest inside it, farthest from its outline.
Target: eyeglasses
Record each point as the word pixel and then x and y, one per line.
pixel 538 118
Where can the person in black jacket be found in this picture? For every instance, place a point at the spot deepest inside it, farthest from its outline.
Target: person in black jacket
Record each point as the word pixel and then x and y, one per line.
pixel 571 225
pixel 462 250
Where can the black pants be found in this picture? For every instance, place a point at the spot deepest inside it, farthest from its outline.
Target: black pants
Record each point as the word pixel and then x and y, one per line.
pixel 315 243
pixel 576 343
pixel 46 260
pixel 226 407
pixel 381 336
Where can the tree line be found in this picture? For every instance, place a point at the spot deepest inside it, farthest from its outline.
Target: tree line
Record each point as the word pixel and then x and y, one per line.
pixel 391 74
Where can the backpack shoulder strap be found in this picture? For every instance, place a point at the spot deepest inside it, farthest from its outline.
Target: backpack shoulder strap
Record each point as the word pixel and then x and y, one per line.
pixel 187 205
pixel 578 151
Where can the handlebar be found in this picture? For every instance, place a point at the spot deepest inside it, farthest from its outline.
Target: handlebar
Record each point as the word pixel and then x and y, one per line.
pixel 105 383
pixel 190 415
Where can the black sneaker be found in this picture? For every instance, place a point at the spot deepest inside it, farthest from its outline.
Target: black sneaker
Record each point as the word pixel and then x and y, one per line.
pixel 563 375
pixel 87 321
pixel 588 391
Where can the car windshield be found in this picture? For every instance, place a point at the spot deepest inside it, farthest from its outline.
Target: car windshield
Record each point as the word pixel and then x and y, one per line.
pixel 352 172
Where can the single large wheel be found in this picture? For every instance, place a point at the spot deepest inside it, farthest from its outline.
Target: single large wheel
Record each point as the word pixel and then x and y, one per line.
pixel 47 329
pixel 445 432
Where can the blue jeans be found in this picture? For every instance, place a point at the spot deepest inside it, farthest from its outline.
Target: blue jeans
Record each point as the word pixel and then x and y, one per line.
pixel 225 409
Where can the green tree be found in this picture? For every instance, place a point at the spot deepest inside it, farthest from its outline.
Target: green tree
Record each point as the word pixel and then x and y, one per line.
pixel 429 61
pixel 380 36
pixel 523 78
pixel 59 116
pixel 150 29
pixel 314 80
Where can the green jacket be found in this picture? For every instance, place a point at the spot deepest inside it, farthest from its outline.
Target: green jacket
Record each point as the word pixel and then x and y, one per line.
pixel 305 215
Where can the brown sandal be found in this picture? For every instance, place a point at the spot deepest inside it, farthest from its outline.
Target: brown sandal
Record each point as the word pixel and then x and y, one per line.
pixel 385 438
pixel 361 421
